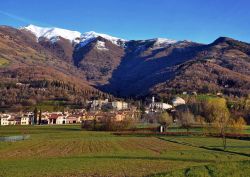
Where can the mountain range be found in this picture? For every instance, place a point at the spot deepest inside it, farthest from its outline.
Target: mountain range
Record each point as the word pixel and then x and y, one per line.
pixel 126 68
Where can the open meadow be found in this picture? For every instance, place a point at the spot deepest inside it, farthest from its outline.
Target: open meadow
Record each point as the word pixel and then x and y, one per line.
pixel 68 151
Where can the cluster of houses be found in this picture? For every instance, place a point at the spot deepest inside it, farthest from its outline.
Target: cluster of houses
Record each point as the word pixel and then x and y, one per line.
pixel 117 111
pixel 16 119
pixel 28 118
pixel 61 118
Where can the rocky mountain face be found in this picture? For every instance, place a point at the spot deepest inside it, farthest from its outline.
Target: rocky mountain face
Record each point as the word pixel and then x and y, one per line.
pixel 130 68
pixel 98 59
pixel 144 65
pixel 222 66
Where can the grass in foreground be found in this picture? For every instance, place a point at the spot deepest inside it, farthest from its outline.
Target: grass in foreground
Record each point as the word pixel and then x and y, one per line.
pixel 234 169
pixel 233 145
pixel 68 151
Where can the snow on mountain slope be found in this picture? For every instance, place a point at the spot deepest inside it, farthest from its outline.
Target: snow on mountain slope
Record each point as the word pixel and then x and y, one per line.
pixel 90 36
pixel 101 45
pixel 162 42
pixel 74 36
pixel 53 33
pixel 85 38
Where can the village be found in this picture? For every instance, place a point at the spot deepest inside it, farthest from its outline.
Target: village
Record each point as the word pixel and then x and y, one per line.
pixel 100 110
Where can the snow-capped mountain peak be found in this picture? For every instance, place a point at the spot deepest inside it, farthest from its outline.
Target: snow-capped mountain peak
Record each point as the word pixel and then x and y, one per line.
pixel 53 33
pixel 83 39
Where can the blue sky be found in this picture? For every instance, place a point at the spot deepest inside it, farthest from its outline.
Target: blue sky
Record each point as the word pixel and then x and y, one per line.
pixel 196 20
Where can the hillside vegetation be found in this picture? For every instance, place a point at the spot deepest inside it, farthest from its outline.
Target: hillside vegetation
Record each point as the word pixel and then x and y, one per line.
pixel 29 73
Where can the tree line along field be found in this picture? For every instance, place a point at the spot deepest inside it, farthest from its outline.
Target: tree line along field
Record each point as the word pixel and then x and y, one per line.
pixel 68 151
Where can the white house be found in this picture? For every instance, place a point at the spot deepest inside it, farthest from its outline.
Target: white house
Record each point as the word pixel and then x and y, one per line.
pixel 61 119
pixel 4 119
pixel 27 118
pixel 178 101
pixel 52 118
pixel 97 104
pixel 159 105
pixel 119 105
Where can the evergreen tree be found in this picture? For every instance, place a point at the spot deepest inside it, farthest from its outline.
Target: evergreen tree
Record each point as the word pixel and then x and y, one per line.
pixel 40 117
pixel 35 115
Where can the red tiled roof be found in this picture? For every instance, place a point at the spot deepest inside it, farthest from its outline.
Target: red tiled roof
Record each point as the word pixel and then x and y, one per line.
pixel 54 116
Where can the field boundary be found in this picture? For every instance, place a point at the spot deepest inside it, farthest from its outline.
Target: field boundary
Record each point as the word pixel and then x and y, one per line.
pixel 138 133
pixel 204 147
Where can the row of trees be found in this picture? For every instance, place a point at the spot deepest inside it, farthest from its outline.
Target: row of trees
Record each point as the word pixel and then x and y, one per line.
pixel 215 117
pixel 183 119
pixel 108 123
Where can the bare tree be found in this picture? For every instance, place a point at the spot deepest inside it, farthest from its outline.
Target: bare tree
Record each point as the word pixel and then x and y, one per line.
pixel 186 119
pixel 165 120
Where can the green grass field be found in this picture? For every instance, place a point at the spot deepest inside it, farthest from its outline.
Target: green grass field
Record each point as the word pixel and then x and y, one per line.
pixel 68 151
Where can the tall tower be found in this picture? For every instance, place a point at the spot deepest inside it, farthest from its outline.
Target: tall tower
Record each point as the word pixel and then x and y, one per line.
pixel 153 103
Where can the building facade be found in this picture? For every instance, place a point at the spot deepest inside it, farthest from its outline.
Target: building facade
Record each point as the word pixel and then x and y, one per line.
pixel 119 105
